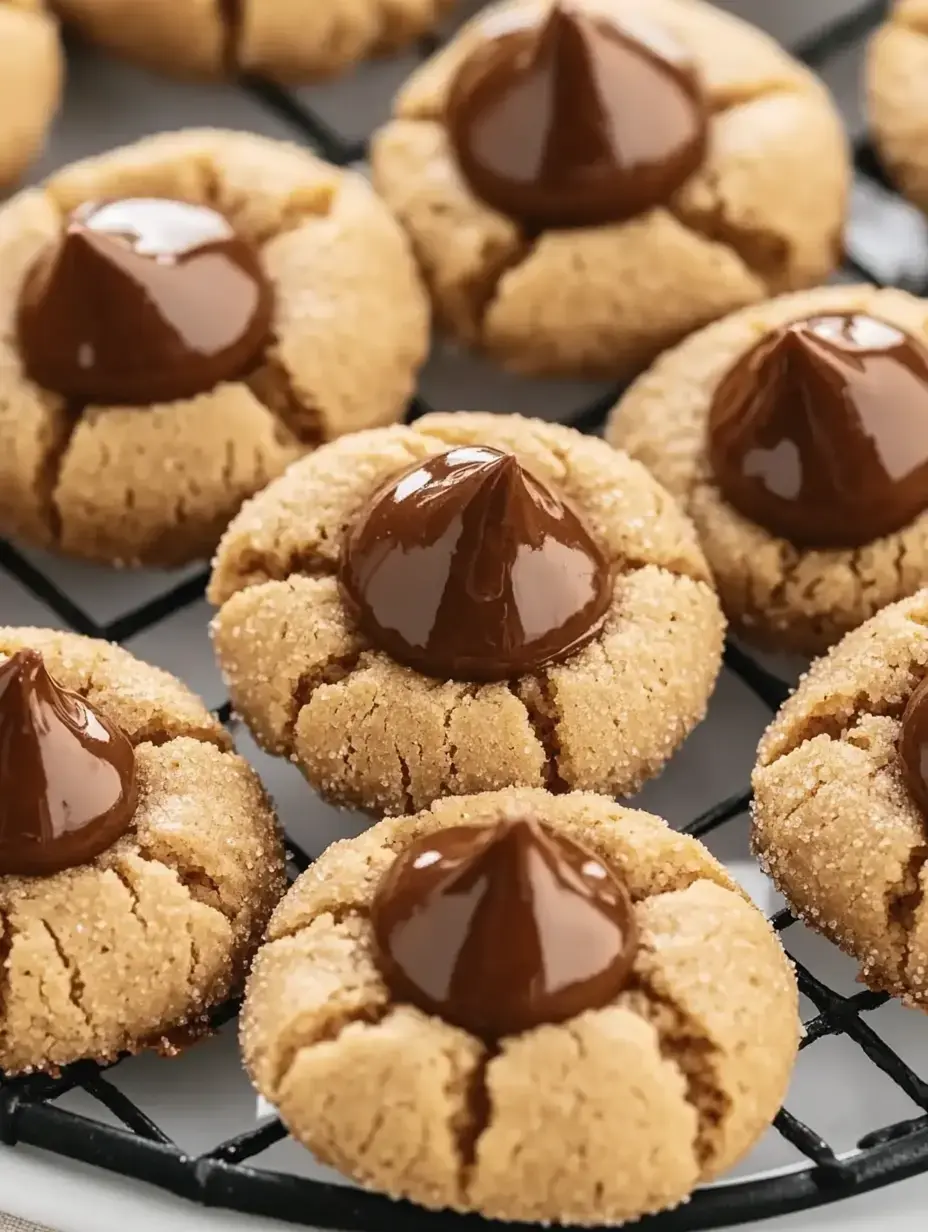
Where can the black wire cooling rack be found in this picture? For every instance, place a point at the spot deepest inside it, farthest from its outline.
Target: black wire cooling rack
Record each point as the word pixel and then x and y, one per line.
pixel 226 1176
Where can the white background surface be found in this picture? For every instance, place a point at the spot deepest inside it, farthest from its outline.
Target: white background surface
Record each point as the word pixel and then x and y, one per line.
pixel 203 1097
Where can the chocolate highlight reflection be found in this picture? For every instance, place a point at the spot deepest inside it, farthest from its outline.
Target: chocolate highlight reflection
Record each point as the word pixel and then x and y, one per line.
pixel 467 567
pixel 913 746
pixel 501 928
pixel 820 433
pixel 143 301
pixel 547 119
pixel 67 775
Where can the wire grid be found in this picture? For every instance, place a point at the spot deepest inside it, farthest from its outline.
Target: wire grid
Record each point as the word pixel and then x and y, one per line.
pixel 224 1176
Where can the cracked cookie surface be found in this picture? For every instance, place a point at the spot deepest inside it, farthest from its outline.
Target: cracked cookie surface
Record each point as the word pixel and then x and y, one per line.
pixel 371 733
pixel 834 823
pixel 31 72
pixel 285 40
pixel 107 956
pixel 615 1113
pixel 779 595
pixel 897 96
pixel 158 485
pixel 763 214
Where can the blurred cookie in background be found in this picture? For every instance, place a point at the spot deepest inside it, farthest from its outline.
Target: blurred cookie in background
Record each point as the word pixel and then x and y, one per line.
pixel 288 40
pixel 31 71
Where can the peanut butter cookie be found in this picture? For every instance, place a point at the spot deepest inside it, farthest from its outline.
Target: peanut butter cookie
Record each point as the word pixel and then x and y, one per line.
pixel 31 70
pixel 841 798
pixel 795 434
pixel 179 320
pixel 139 857
pixel 897 96
pixel 570 1011
pixel 473 602
pixel 564 236
pixel 287 40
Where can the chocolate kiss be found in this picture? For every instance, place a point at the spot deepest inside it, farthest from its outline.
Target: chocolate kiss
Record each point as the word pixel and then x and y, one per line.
pixel 820 433
pixel 913 746
pixel 143 301
pixel 67 774
pixel 498 929
pixel 578 120
pixel 467 567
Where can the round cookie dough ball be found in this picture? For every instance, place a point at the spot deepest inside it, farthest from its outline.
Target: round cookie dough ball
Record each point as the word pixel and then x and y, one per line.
pixel 795 434
pixel 559 253
pixel 139 857
pixel 839 814
pixel 897 96
pixel 666 1072
pixel 31 70
pixel 286 40
pixel 542 618
pixel 182 318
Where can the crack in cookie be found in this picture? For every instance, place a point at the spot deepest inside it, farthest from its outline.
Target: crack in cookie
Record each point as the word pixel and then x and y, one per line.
pixel 77 988
pixel 538 694
pixel 696 1057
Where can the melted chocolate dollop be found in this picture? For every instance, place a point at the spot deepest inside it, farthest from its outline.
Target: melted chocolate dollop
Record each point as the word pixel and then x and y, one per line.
pixel 67 774
pixel 820 433
pixel 577 120
pixel 143 301
pixel 467 567
pixel 498 929
pixel 913 746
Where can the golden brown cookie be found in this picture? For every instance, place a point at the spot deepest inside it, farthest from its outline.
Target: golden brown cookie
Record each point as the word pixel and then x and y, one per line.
pixel 123 913
pixel 897 96
pixel 686 1051
pixel 31 69
pixel 333 336
pixel 370 731
pixel 761 213
pixel 780 590
pixel 287 40
pixel 839 813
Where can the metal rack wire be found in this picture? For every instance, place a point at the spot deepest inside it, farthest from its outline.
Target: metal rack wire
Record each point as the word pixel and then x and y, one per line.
pixel 228 1176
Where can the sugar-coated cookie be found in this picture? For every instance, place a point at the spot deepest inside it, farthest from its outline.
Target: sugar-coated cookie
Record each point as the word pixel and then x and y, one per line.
pixel 472 602
pixel 841 798
pixel 31 71
pixel 532 1007
pixel 287 40
pixel 179 320
pixel 573 239
pixel 139 857
pixel 795 434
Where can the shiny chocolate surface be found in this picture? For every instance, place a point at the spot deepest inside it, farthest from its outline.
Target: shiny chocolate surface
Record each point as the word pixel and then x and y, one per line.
pixel 820 432
pixel 501 928
pixel 576 119
pixel 143 301
pixel 467 567
pixel 67 775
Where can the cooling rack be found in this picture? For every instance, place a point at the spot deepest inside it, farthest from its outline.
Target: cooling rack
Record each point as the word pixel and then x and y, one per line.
pixel 887 244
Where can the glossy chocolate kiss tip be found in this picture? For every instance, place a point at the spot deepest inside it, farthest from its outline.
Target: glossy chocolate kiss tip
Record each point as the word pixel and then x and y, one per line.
pixel 913 746
pixel 820 432
pixel 467 567
pixel 545 119
pixel 143 301
pixel 67 774
pixel 501 928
